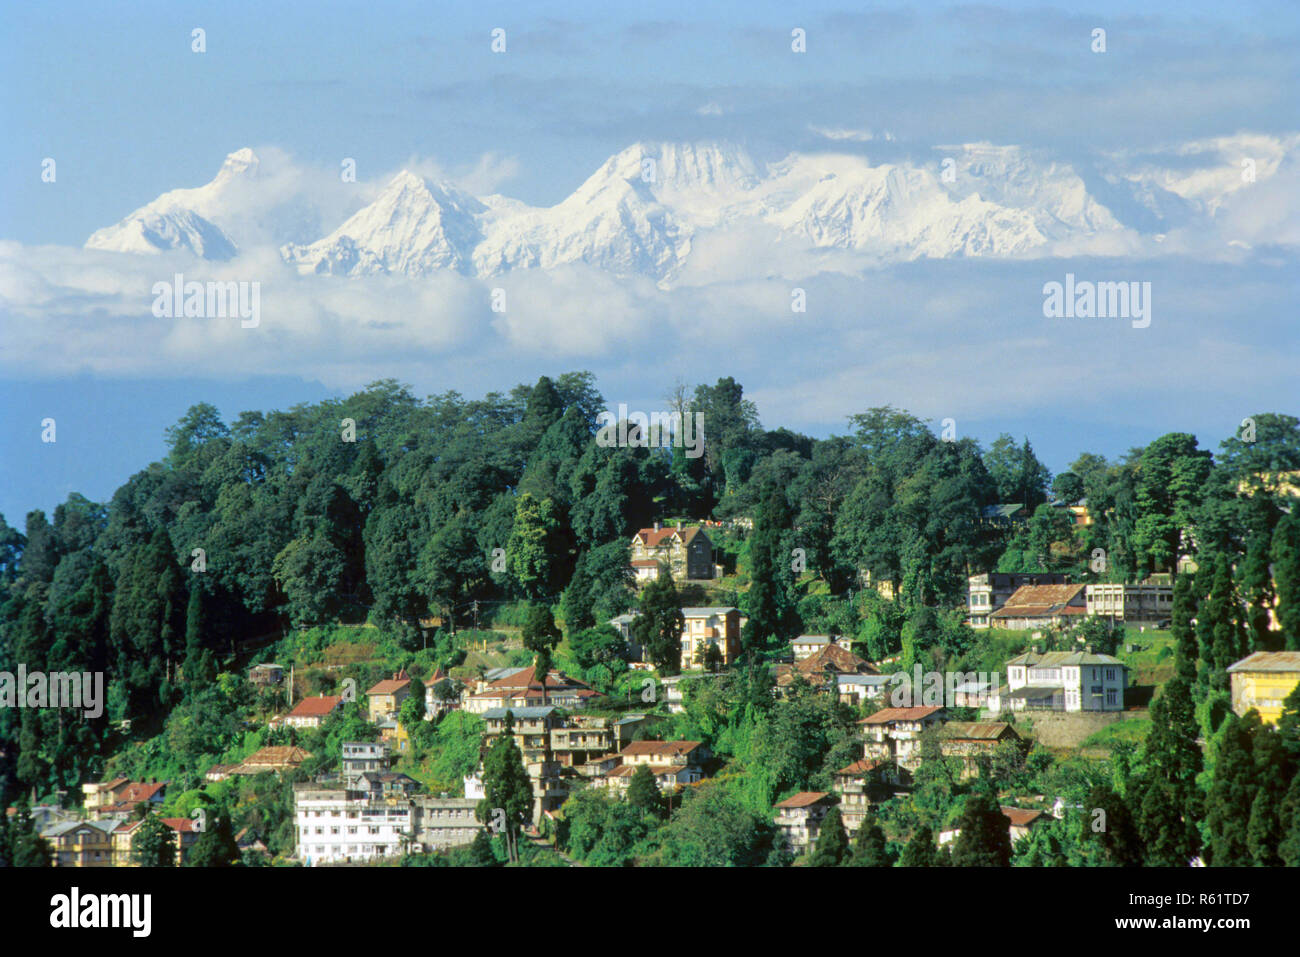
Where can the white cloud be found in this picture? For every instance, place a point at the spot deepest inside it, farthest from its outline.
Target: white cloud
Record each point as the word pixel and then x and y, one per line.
pixel 845 135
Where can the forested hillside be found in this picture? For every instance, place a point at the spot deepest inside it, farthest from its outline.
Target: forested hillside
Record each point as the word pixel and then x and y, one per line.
pixel 415 515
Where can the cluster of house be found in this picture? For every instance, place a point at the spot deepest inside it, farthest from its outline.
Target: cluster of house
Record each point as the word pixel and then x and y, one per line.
pixel 1068 681
pixel 891 752
pixel 827 662
pixel 383 707
pixel 367 811
pixel 563 751
pixel 1050 681
pixel 1026 600
pixel 102 834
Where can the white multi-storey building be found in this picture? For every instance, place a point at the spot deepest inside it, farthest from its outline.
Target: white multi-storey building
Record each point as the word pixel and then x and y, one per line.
pixel 1065 681
pixel 335 825
pixel 362 757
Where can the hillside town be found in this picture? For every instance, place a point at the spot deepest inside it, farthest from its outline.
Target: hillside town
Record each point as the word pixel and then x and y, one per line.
pixel 700 674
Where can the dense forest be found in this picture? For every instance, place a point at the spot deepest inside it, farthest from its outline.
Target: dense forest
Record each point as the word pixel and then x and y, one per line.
pixel 420 515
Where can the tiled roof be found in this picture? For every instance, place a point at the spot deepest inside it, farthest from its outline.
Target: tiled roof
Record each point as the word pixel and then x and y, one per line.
pixel 392 685
pixel 660 748
pixel 860 766
pixel 316 707
pixel 653 538
pixel 804 799
pixel 708 612
pixel 834 658
pixel 524 678
pixel 888 715
pixel 137 791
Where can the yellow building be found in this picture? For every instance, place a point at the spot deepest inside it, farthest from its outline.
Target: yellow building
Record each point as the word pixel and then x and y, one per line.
pixel 1262 681
pixel 81 843
pixel 717 626
pixel 398 738
pixel 385 699
pixel 183 834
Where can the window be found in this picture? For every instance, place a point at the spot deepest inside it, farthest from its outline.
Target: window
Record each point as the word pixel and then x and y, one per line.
pixel 1110 674
pixel 1112 696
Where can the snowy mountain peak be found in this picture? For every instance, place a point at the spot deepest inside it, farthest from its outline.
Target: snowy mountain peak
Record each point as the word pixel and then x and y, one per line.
pixel 414 227
pixel 683 166
pixel 184 219
pixel 236 164
pixel 646 208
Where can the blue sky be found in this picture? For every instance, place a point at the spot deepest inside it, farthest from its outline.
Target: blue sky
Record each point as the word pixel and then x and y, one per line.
pixel 114 92
pixel 117 97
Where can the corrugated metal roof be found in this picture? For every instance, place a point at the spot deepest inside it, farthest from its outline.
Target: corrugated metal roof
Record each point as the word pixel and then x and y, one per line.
pixel 977 730
pixel 533 712
pixel 1275 661
pixel 1058 659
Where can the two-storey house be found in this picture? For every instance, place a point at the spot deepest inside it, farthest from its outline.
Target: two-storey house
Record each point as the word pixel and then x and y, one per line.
pixel 1065 681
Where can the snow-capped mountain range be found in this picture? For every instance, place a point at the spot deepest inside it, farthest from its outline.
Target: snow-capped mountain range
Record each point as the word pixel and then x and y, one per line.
pixel 644 209
pixel 182 218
